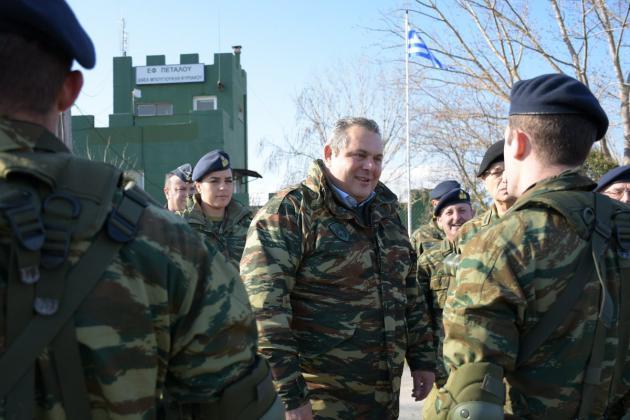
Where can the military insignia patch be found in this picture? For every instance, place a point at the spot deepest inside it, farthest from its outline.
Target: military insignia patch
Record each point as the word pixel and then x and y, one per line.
pixel 462 195
pixel 340 231
pixel 224 161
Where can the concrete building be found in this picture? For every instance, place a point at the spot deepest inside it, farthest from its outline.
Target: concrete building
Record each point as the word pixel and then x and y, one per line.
pixel 168 114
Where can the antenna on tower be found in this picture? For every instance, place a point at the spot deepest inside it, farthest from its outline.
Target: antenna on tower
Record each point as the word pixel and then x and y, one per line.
pixel 123 37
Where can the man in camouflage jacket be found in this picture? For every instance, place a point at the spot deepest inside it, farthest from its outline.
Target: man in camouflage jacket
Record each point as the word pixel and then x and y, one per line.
pixel 167 322
pixel 513 273
pixel 331 278
pixel 451 212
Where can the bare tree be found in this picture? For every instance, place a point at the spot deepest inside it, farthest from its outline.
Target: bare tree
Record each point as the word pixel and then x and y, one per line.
pixel 490 44
pixel 355 88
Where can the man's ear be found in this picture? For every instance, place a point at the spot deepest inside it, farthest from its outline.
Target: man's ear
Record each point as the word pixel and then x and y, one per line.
pixel 523 145
pixel 70 90
pixel 328 152
pixel 518 144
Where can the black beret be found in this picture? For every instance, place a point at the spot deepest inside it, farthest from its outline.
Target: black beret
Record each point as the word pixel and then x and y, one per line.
pixel 618 174
pixel 452 197
pixel 183 172
pixel 493 154
pixel 216 160
pixel 442 188
pixel 557 94
pixel 50 21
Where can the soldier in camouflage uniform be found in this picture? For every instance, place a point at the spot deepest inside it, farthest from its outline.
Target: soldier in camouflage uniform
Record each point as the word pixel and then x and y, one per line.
pixel 430 234
pixel 538 303
pixel 452 211
pixel 331 278
pixel 163 319
pixel 222 220
pixel 491 173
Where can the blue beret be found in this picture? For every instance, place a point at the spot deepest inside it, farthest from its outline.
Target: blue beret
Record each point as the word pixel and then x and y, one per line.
pixel 493 154
pixel 442 188
pixel 51 22
pixel 216 160
pixel 452 197
pixel 183 172
pixel 618 174
pixel 557 94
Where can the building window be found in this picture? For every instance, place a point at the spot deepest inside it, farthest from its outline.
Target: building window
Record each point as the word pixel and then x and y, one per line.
pixel 204 103
pixel 150 110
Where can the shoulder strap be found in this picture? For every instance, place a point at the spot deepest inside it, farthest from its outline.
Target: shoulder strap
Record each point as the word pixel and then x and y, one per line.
pixel 589 260
pixel 19 358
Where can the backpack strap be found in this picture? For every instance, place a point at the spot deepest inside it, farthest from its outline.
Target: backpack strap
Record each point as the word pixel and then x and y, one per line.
pixel 606 317
pixel 589 263
pixel 19 359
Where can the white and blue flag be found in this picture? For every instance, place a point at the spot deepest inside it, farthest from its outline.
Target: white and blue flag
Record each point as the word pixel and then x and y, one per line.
pixel 417 48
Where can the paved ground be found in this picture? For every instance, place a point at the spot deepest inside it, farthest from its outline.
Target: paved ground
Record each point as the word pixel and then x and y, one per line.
pixel 409 409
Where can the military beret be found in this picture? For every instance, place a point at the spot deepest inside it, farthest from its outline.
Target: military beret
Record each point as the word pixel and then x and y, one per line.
pixel 183 172
pixel 557 94
pixel 51 22
pixel 452 197
pixel 216 160
pixel 442 188
pixel 493 154
pixel 618 174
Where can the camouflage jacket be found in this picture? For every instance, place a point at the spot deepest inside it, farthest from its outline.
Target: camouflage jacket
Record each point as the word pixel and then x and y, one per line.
pixel 426 237
pixel 156 323
pixel 228 235
pixel 471 227
pixel 434 282
pixel 510 274
pixel 335 297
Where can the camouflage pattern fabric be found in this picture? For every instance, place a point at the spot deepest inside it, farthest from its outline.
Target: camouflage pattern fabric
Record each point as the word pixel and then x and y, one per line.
pixel 434 283
pixel 510 274
pixel 168 316
pixel 336 300
pixel 227 235
pixel 426 237
pixel 474 225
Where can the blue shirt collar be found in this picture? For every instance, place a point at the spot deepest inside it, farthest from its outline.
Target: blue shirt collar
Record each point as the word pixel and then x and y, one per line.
pixel 350 201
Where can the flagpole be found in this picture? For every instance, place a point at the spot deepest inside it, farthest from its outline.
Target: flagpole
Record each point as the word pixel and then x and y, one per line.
pixel 409 228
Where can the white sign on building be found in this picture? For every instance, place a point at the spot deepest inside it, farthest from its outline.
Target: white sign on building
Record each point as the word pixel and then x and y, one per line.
pixel 172 73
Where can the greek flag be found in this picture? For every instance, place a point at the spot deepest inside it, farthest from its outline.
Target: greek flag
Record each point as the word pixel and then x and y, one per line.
pixel 416 47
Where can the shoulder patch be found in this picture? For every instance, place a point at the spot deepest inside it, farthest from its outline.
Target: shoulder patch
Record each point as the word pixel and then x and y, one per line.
pixel 339 231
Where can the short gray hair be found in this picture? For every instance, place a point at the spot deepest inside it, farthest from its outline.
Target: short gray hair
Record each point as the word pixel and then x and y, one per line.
pixel 339 136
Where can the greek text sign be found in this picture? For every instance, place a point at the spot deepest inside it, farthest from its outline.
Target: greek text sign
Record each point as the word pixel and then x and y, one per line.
pixel 172 73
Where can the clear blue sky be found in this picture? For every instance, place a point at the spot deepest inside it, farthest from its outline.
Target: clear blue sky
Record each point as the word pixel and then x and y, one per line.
pixel 285 43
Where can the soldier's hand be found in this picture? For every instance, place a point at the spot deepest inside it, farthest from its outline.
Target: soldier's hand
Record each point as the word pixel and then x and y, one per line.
pixel 422 383
pixel 301 413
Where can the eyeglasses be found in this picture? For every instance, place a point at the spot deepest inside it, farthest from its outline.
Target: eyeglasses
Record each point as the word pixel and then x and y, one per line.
pixel 617 193
pixel 497 173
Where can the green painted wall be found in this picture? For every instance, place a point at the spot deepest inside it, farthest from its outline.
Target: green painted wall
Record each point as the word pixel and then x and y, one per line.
pixel 155 145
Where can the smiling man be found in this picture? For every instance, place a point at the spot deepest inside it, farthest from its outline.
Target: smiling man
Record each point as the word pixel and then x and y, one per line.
pixel 451 212
pixel 331 277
